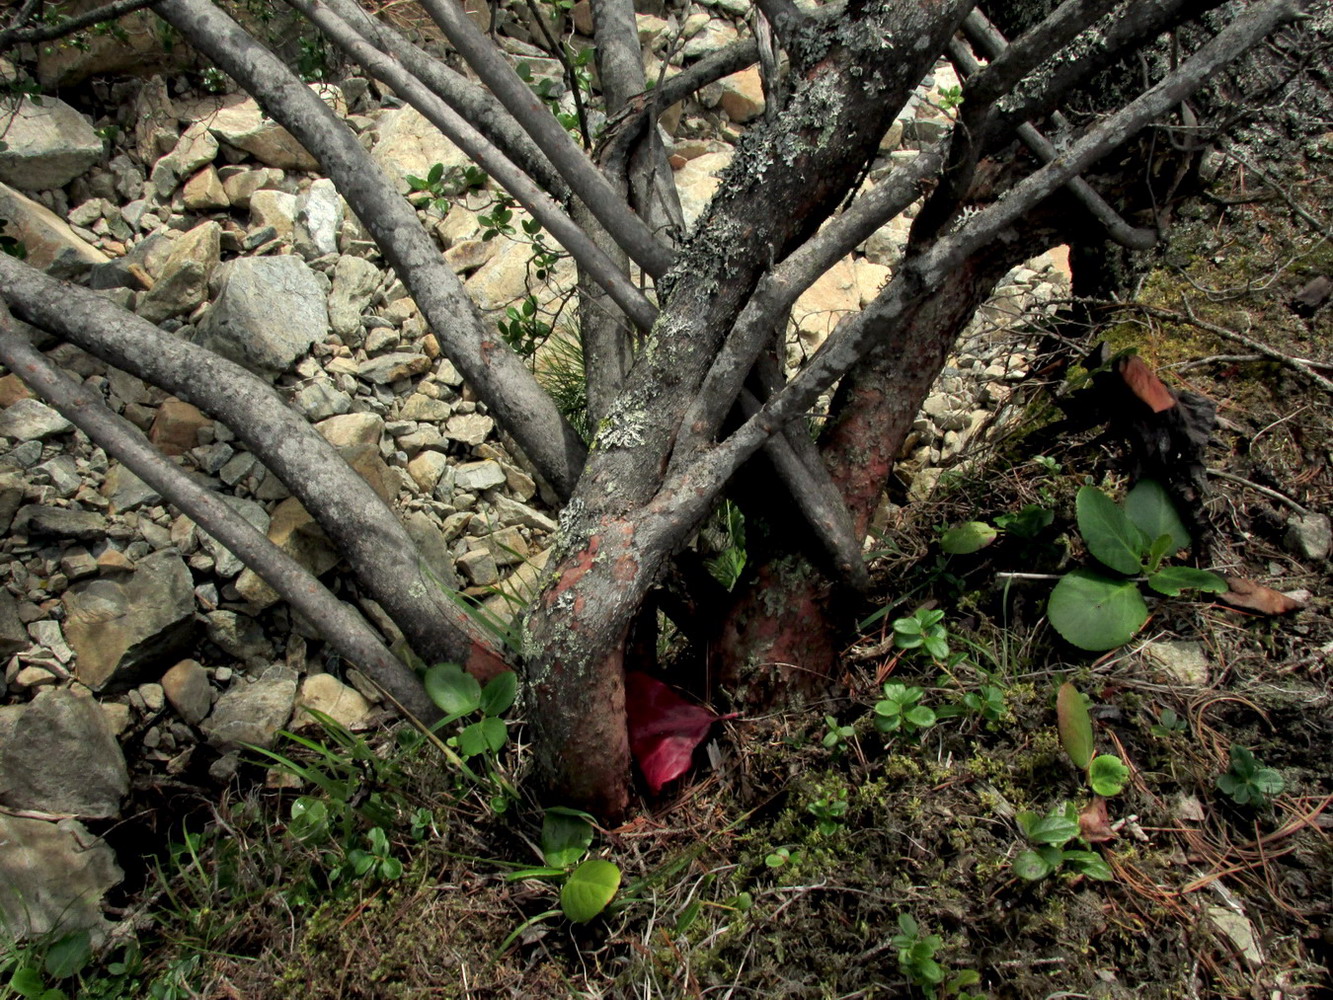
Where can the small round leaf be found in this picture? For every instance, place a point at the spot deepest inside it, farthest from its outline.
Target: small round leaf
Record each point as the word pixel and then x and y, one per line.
pixel 455 691
pixel 1095 612
pixel 968 537
pixel 1107 775
pixel 588 889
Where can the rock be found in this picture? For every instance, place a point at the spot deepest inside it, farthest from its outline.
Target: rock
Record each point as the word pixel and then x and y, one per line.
pixel 176 426
pixel 11 496
pixel 1310 536
pixel 326 694
pixel 134 47
pixel 294 531
pixel 408 144
pixel 715 35
pixel 507 546
pixel 835 294
pixel 183 285
pixel 240 184
pixel 51 245
pixel 474 477
pixel 466 256
pixel 518 588
pixel 30 420
pixel 126 491
pixel 269 311
pixel 239 121
pixel 57 754
pixel 389 368
pixel 46 633
pixel 419 406
pixel 47 145
pixel 13 636
pixel 354 282
pixel 275 210
pixel 238 635
pixel 254 711
pixel 743 95
pixel 52 879
pixel 470 428
pixel 512 512
pixel 194 149
pixel 319 217
pixel 480 568
pixel 123 627
pixel 437 563
pixel 225 564
pixel 365 460
pixel 1238 931
pixel 60 522
pixel 349 429
pixel 426 470
pixel 187 689
pixel 697 181
pixel 204 191
pixel 319 400
pixel 1183 662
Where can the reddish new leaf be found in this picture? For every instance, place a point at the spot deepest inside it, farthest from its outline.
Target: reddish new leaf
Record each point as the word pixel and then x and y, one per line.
pixel 664 728
pixel 1093 824
pixel 1145 384
pixel 1256 597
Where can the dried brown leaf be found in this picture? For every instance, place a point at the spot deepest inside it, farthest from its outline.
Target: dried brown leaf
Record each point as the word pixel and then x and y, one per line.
pixel 1093 824
pixel 1145 384
pixel 1256 597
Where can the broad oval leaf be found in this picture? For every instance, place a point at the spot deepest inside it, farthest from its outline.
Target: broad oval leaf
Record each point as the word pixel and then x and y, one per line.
pixel 968 537
pixel 310 819
pixel 1075 725
pixel 566 836
pixel 588 889
pixel 1149 506
pixel 68 956
pixel 1094 612
pixel 497 697
pixel 1107 775
pixel 1173 579
pixel 1032 866
pixel 1090 863
pixel 1108 532
pixel 1052 830
pixel 453 689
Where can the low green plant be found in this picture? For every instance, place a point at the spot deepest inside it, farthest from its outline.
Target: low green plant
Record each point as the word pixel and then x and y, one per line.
pixel 950 97
pixel 829 812
pixel 1248 782
pixel 917 959
pixel 837 735
pixel 901 711
pixel 972 536
pixel 1106 773
pixel 923 630
pixel 1169 724
pixel 459 695
pixel 376 861
pixel 1049 834
pixel 440 186
pixel 1095 611
pixel 778 857
pixel 724 534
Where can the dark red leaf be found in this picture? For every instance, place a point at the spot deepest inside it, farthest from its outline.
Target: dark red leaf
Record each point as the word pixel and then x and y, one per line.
pixel 664 728
pixel 1145 384
pixel 1256 597
pixel 1093 824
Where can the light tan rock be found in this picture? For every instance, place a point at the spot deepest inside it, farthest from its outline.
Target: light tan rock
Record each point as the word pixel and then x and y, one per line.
pixel 51 245
pixel 176 427
pixel 409 144
pixel 698 180
pixel 293 530
pixel 326 694
pixel 204 191
pixel 347 429
pixel 743 95
pixel 47 144
pixel 833 296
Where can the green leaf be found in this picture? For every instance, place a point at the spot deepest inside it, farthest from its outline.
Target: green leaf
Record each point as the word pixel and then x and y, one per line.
pixel 455 691
pixel 921 717
pixel 908 925
pixel 497 697
pixel 1107 775
pixel 1054 830
pixel 1109 533
pixel 1149 506
pixel 968 537
pixel 435 174
pixel 1075 725
pixel 488 734
pixel 1089 863
pixel 68 956
pixel 1173 579
pixel 1027 523
pixel 589 888
pixel 1034 865
pixel 310 819
pixel 566 836
pixel 1095 612
pixel 391 869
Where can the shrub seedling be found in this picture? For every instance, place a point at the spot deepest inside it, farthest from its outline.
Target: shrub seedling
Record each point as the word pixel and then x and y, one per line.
pixel 916 958
pixel 829 812
pixel 1106 773
pixel 1049 834
pixel 1247 781
pixel 1097 612
pixel 901 711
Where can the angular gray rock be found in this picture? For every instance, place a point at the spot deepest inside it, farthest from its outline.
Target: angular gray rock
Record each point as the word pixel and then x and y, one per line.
pixel 47 145
pixel 187 689
pixel 354 282
pixel 254 711
pixel 13 636
pixel 226 564
pixel 268 313
pixel 183 284
pixel 319 216
pixel 32 420
pixel 57 754
pixel 60 522
pixel 1310 536
pixel 50 244
pixel 53 877
pixel 122 628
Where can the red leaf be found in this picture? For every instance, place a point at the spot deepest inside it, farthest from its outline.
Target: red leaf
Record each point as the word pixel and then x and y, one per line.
pixel 664 728
pixel 1256 597
pixel 1145 384
pixel 1093 824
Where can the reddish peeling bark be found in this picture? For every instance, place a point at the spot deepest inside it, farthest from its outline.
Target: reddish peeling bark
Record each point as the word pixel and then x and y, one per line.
pixel 780 641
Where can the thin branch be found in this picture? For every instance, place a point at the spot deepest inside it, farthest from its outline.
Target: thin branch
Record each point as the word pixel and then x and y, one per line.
pixel 476 106
pixel 1296 364
pixel 498 375
pixel 571 78
pixel 856 337
pixel 583 177
pixel 1271 494
pixel 368 533
pixel 1116 228
pixel 14 35
pixel 344 629
pixel 543 208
